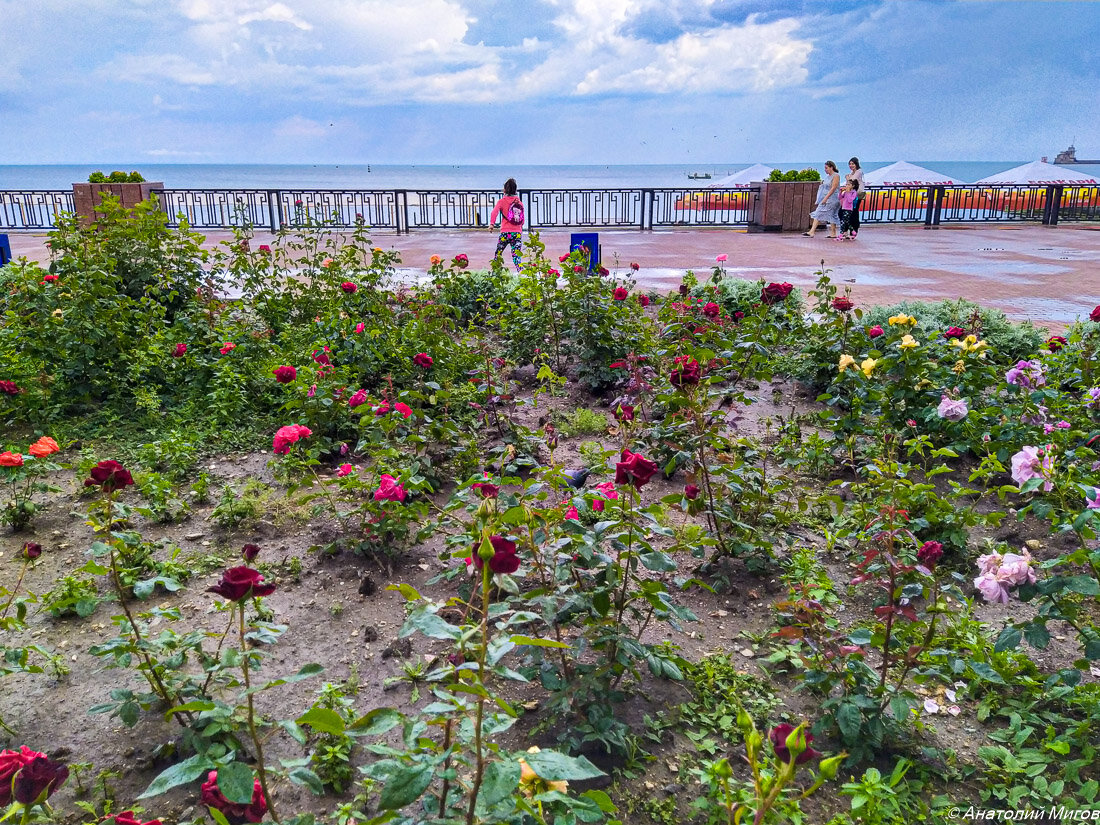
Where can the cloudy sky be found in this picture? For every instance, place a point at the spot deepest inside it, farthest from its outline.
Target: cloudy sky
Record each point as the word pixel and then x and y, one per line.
pixel 543 81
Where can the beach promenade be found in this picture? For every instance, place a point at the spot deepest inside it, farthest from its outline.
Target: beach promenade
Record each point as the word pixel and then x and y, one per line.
pixel 1047 275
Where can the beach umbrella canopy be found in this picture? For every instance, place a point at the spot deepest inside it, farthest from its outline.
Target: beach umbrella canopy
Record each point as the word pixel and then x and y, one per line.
pixel 743 178
pixel 904 173
pixel 1039 172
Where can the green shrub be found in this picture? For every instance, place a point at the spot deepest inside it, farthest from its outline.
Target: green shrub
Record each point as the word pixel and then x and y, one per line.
pixel 582 421
pixel 115 177
pixel 794 174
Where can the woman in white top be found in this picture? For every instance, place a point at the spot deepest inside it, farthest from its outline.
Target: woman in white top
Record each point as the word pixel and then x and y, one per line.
pixel 828 202
pixel 856 174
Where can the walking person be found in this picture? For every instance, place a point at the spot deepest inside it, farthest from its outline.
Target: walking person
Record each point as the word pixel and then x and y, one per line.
pixel 849 195
pixel 828 202
pixel 510 210
pixel 855 174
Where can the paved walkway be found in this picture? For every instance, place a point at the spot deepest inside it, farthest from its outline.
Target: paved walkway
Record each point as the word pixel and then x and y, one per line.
pixel 1046 275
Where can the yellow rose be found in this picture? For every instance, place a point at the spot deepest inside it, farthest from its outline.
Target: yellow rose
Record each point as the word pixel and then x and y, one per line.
pixel 531 784
pixel 960 367
pixel 902 319
pixel 868 366
pixel 908 342
pixel 845 362
pixel 58 314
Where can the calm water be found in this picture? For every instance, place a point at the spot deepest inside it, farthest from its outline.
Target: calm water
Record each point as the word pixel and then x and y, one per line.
pixel 197 176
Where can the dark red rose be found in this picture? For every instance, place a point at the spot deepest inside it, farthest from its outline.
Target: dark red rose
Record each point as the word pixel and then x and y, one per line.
pixel 285 374
pixel 38 779
pixel 691 492
pixel 250 551
pixel 620 294
pixel 1056 342
pixel 778 736
pixel 685 371
pixel 1095 315
pixel 578 268
pixel 711 310
pixel 955 332
pixel 773 293
pixel 643 300
pixel 683 289
pixel 11 762
pixel 603 270
pixel 486 489
pixel 321 356
pixel 9 388
pixel 461 261
pixel 635 266
pixel 349 287
pixel 241 582
pixel 504 558
pixel 109 476
pixel 929 553
pixel 842 303
pixel 31 550
pixel 625 412
pixel 128 818
pixel 634 469
pixel 179 351
pixel 422 359
pixel 237 814
pixel 737 316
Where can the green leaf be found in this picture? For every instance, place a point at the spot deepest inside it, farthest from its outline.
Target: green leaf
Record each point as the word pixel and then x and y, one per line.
pixel 405 786
pixel 1009 639
pixel 304 776
pixel 407 590
pixel 431 625
pixel 849 720
pixel 217 816
pixel 658 561
pixel 501 778
pixel 236 782
pixel 553 766
pixel 376 722
pixel 1085 585
pixel 533 642
pixel 322 720
pixel 984 671
pixel 179 774
pixel 1037 635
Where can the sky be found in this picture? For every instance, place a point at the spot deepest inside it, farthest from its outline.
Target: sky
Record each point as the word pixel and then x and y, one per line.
pixel 544 81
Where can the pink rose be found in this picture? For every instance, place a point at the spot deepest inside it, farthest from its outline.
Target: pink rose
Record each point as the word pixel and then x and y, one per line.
pixel 360 397
pixel 991 589
pixel 360 327
pixel 389 489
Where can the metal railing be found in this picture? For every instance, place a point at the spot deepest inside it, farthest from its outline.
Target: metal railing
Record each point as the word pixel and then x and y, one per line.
pixel 406 210
pixel 33 209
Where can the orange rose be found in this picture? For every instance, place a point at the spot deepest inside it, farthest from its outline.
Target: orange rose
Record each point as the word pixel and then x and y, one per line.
pixel 436 260
pixel 43 447
pixel 11 459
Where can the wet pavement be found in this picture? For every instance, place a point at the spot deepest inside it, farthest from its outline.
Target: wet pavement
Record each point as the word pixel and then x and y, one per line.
pixel 1048 275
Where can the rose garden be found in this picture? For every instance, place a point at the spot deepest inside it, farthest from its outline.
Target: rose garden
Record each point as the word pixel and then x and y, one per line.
pixel 286 539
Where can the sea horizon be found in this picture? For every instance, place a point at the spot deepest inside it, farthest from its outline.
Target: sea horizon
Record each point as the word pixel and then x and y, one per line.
pixel 443 176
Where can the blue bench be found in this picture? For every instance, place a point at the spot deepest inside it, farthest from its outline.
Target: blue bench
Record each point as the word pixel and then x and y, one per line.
pixel 5 250
pixel 589 241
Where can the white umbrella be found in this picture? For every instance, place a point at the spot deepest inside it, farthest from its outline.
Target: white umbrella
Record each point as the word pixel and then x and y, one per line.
pixel 1038 172
pixel 743 178
pixel 904 173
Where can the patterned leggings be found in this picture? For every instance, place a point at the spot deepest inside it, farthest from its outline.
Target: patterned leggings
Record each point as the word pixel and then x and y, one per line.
pixel 510 239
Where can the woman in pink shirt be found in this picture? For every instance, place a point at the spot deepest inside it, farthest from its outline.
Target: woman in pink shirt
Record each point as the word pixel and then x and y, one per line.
pixel 510 210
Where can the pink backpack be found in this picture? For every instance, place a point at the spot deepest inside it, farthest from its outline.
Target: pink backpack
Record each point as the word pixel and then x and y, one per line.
pixel 515 213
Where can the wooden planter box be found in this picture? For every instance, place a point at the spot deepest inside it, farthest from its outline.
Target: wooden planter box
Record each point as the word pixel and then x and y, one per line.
pixel 784 206
pixel 87 196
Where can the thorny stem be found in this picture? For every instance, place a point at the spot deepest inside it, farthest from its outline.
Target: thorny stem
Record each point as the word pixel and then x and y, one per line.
pixel 260 767
pixel 479 772
pixel 447 732
pixel 217 652
pixel 15 589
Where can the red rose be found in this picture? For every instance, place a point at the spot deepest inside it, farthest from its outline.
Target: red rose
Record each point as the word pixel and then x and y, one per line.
pixel 773 293
pixel 874 332
pixel 360 397
pixel 422 359
pixel 691 492
pixel 565 258
pixel 711 310
pixel 265 249
pixel 1095 315
pixel 842 303
pixel 403 408
pixel 11 762
pixel 128 818
pixel 241 582
pixel 9 388
pixel 778 735
pixel 285 436
pixel 389 489
pixel 486 489
pixel 9 459
pixel 953 332
pixel 929 553
pixel 620 294
pixel 109 476
pixel 625 412
pixel 1056 342
pixel 643 300
pixel 461 261
pixel 737 316
pixel 603 270
pixel 635 266
pixel 504 558
pixel 43 447
pixel 179 351
pixel 578 268
pixel 38 779
pixel 31 550
pixel 634 469
pixel 349 287
pixel 227 348
pixel 321 356
pixel 237 814
pixel 685 371
pixel 250 551
pixel 48 279
pixel 285 374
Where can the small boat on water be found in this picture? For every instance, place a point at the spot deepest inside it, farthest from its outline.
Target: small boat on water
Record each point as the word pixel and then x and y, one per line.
pixel 1069 158
pixel 699 176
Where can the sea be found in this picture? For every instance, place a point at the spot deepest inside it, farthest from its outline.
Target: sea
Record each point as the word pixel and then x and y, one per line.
pixel 442 176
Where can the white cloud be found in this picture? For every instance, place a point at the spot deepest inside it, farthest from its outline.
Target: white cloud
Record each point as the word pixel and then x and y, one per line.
pixel 276 13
